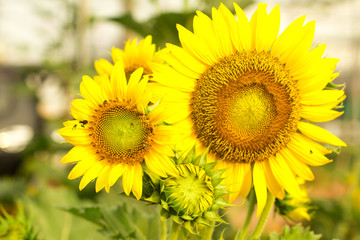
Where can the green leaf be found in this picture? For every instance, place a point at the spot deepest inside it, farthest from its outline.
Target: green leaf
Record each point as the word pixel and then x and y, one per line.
pixel 120 222
pixel 295 233
pixel 92 214
pixel 162 27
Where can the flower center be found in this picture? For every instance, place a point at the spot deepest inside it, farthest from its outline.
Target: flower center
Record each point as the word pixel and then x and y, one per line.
pixel 245 107
pixel 121 133
pixel 191 193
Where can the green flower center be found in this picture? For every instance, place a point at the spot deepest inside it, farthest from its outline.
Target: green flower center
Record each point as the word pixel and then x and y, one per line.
pixel 121 133
pixel 191 193
pixel 245 107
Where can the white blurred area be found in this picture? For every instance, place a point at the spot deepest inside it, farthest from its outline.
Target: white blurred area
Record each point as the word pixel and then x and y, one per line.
pixel 25 40
pixel 15 138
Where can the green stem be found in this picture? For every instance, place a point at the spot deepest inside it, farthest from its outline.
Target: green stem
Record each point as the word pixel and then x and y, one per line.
pixel 263 218
pixel 208 232
pixel 245 227
pixel 175 231
pixel 163 228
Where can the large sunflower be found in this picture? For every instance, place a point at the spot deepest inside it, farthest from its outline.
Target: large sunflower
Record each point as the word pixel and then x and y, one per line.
pixel 250 96
pixel 133 56
pixel 115 132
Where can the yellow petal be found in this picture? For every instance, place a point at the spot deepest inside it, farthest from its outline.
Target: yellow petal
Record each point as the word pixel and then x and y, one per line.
pixel 80 168
pixel 288 39
pixel 239 180
pixel 75 154
pixel 128 179
pixel 154 164
pixel 116 172
pixel 320 148
pixel 80 109
pixel 297 166
pixel 323 97
pixel 118 81
pixel 91 91
pixel 318 114
pixel 204 29
pixel 103 67
pixel 319 134
pixel 169 77
pixel 103 178
pixel 165 163
pixel 260 187
pixel 284 175
pixel 75 134
pixel 137 185
pixel 117 54
pixel 91 174
pixel 233 26
pixel 265 28
pixel 222 32
pixel 307 153
pixel 244 30
pixel 193 44
pixel 180 67
pixel 134 80
pixel 186 59
pixel 299 53
pixel 274 187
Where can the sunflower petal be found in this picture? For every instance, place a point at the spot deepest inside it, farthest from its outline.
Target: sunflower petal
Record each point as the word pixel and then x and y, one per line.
pixel 297 166
pixel 319 134
pixel 284 175
pixel 138 184
pixel 274 187
pixel 103 178
pixel 128 179
pixel 260 187
pixel 103 67
pixel 318 114
pixel 116 172
pixel 91 174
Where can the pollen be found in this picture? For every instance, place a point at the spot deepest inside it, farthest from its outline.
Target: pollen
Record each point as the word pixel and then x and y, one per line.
pixel 245 107
pixel 120 133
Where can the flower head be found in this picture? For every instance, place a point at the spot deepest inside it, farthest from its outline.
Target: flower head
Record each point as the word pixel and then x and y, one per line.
pixel 193 197
pixel 115 133
pixel 133 56
pixel 251 96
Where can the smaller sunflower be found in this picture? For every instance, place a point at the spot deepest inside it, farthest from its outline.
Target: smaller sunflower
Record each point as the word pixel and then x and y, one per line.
pixel 192 198
pixel 115 132
pixel 132 57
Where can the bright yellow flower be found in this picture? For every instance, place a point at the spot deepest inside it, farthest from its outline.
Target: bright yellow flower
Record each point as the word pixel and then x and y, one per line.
pixel 133 56
pixel 115 133
pixel 251 95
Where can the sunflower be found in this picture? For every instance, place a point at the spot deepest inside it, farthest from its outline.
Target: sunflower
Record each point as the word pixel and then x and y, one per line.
pixel 115 132
pixel 133 56
pixel 251 96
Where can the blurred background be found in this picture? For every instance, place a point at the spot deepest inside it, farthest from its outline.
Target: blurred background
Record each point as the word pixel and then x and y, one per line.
pixel 47 45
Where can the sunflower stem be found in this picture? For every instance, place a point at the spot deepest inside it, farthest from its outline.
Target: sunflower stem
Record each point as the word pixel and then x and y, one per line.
pixel 175 231
pixel 163 229
pixel 245 227
pixel 207 234
pixel 263 218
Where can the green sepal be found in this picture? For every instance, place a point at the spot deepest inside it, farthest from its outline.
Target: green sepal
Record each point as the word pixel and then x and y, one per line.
pixel 220 191
pixel 190 227
pixel 220 203
pixel 331 86
pixel 154 198
pixel 164 214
